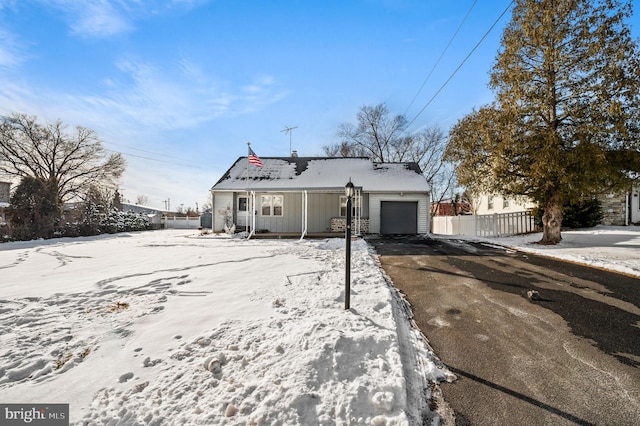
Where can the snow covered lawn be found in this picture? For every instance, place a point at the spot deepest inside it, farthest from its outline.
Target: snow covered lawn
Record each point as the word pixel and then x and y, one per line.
pixel 170 327
pixel 616 248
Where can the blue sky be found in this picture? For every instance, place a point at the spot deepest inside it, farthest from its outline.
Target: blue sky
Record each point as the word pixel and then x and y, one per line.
pixel 179 87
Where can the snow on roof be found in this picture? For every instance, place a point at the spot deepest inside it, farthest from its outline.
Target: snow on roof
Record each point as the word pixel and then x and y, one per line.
pixel 322 173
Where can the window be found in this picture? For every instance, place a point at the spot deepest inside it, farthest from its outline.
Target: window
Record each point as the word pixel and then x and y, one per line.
pixel 356 202
pixel 490 202
pixel 505 203
pixel 271 205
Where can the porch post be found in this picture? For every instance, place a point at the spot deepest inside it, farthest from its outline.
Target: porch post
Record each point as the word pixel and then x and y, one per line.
pixel 253 214
pixel 305 212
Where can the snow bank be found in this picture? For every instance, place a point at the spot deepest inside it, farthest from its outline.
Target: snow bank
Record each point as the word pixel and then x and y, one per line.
pixel 616 248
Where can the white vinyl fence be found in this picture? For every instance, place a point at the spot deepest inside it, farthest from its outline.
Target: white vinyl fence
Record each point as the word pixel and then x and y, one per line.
pixel 485 225
pixel 175 222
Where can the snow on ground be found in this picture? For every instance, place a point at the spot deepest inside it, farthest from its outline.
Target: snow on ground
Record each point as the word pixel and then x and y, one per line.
pixel 170 327
pixel 616 248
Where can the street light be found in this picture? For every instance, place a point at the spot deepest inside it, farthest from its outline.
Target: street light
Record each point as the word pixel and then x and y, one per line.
pixel 348 190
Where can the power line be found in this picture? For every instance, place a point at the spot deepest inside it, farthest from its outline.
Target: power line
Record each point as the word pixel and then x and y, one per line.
pixel 461 64
pixel 148 152
pixel 440 58
pixel 153 159
pixel 141 150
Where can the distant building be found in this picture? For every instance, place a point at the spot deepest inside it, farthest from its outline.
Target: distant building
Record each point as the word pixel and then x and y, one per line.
pixel 618 208
pixel 451 207
pixel 5 194
pixel 495 203
pixel 154 215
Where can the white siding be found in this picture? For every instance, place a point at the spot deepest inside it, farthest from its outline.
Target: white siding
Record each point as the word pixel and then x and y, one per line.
pixel 515 205
pixel 221 201
pixel 423 210
pixel 635 205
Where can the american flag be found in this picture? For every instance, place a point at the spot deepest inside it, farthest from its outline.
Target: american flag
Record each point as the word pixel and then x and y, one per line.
pixel 254 159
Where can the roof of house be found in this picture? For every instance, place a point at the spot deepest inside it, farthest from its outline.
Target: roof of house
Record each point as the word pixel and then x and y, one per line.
pixel 322 173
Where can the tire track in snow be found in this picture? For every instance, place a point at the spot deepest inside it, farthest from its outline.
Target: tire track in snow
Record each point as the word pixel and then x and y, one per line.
pixel 103 283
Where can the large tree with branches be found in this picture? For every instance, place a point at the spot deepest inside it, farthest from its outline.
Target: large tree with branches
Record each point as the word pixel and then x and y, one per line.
pixel 68 161
pixel 565 122
pixel 383 137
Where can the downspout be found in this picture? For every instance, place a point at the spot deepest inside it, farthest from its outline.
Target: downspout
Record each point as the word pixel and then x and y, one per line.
pixel 246 213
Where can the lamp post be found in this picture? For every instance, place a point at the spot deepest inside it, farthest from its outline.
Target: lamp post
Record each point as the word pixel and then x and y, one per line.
pixel 348 190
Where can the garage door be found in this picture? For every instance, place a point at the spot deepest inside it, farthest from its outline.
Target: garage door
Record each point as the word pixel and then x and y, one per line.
pixel 399 217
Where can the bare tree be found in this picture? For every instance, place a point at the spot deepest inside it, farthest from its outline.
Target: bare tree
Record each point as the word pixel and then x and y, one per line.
pixel 142 200
pixel 384 138
pixel 377 135
pixel 71 161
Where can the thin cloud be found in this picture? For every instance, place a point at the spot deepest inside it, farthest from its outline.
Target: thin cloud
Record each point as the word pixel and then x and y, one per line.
pixel 147 98
pixel 181 97
pixel 93 18
pixel 105 18
pixel 11 52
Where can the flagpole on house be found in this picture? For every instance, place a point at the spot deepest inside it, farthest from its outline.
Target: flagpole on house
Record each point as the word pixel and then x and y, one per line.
pixel 246 219
pixel 252 158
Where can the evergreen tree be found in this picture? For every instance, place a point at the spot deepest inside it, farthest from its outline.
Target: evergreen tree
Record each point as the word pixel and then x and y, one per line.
pixel 564 124
pixel 35 209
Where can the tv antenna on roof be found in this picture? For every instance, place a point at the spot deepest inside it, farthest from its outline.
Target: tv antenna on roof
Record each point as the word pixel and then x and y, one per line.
pixel 289 129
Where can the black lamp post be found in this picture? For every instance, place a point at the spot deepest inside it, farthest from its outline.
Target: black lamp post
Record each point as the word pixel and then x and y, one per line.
pixel 348 190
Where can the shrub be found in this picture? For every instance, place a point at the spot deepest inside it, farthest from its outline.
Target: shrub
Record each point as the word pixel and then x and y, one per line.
pixel 583 214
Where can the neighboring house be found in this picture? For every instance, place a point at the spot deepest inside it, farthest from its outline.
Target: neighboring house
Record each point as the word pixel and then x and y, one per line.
pixel 5 194
pixel 137 208
pixel 618 209
pixel 154 215
pixel 634 205
pixel 489 204
pixel 306 195
pixel 451 207
pixel 621 208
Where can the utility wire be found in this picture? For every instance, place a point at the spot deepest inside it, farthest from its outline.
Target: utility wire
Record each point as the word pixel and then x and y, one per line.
pixel 148 152
pixel 154 159
pixel 461 64
pixel 141 150
pixel 440 58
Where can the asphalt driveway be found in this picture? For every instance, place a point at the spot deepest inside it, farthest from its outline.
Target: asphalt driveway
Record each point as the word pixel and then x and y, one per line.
pixel 571 357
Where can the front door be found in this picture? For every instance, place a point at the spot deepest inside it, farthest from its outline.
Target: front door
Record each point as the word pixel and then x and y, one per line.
pixel 242 218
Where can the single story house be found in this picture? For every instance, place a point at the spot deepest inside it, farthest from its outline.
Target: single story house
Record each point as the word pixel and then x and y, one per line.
pixel 154 215
pixel 306 195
